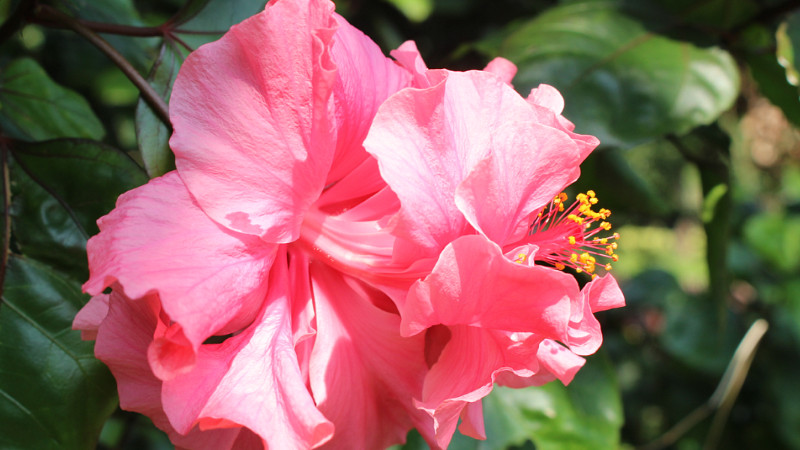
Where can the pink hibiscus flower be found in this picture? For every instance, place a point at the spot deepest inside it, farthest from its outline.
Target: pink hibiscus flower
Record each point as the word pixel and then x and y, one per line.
pixel 351 246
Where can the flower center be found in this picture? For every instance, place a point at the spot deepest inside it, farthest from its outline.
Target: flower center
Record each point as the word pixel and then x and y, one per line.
pixel 575 235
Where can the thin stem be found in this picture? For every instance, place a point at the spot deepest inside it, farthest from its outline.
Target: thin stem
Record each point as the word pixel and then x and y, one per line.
pixel 6 215
pixel 148 93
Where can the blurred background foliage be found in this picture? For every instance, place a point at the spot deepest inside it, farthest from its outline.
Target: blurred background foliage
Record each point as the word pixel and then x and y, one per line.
pixel 696 105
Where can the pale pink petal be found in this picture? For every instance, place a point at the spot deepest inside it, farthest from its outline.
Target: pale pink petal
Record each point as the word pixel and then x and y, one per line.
pixel 445 130
pixel 210 280
pixel 503 68
pixel 529 164
pixel 364 79
pixel 364 375
pixel 253 118
pixel 474 284
pixel 252 379
pixel 90 317
pixel 604 294
pixel 122 343
pixel 547 96
pixel 548 104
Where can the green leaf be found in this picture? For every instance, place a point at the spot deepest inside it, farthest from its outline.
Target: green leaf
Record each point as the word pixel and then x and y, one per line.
pixel 207 20
pixel 621 83
pixel 34 107
pixel 153 134
pixel 776 238
pixel 53 393
pixel 59 189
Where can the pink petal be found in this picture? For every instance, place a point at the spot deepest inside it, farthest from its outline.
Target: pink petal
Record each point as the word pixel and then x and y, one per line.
pixel 472 421
pixel 210 280
pixel 556 362
pixel 474 284
pixel 529 164
pixel 252 379
pixel 363 374
pixel 409 57
pixel 548 104
pixel 466 370
pixel 364 79
pixel 253 119
pixel 503 68
pixel 585 336
pixel 122 343
pixel 445 130
pixel 90 317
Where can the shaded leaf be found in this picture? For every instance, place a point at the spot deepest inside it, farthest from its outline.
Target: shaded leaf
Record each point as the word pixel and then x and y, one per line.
pixel 621 83
pixel 53 393
pixel 776 238
pixel 60 188
pixel 34 107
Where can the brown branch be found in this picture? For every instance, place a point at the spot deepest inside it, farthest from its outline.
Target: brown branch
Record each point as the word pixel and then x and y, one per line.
pixel 149 94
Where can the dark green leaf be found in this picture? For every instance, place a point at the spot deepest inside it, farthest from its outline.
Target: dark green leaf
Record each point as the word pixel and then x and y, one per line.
pixel 152 134
pixel 207 20
pixel 621 83
pixel 53 393
pixel 33 107
pixel 60 188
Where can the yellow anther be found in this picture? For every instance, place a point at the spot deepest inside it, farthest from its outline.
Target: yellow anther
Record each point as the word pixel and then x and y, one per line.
pixel 614 245
pixel 572 240
pixel 560 207
pixel 608 267
pixel 562 196
pixel 521 258
pixel 593 200
pixel 576 219
pixel 560 266
pixel 603 241
pixel 605 225
pixel 590 193
pixel 573 257
pixel 614 258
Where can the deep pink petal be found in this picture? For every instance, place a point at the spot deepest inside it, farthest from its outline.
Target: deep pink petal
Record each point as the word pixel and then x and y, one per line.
pixel 602 293
pixel 253 118
pixel 556 362
pixel 364 79
pixel 465 373
pixel 210 280
pixel 90 317
pixel 252 379
pixel 474 284
pixel 364 375
pixel 548 104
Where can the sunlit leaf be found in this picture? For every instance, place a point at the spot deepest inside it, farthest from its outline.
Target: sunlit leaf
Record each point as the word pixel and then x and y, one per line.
pixel 34 107
pixel 53 393
pixel 622 83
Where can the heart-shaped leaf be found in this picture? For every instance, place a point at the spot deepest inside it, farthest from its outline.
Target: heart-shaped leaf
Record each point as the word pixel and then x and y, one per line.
pixel 53 393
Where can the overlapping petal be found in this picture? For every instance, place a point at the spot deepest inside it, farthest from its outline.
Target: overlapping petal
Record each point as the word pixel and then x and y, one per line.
pixel 364 375
pixel 253 118
pixel 158 241
pixel 252 379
